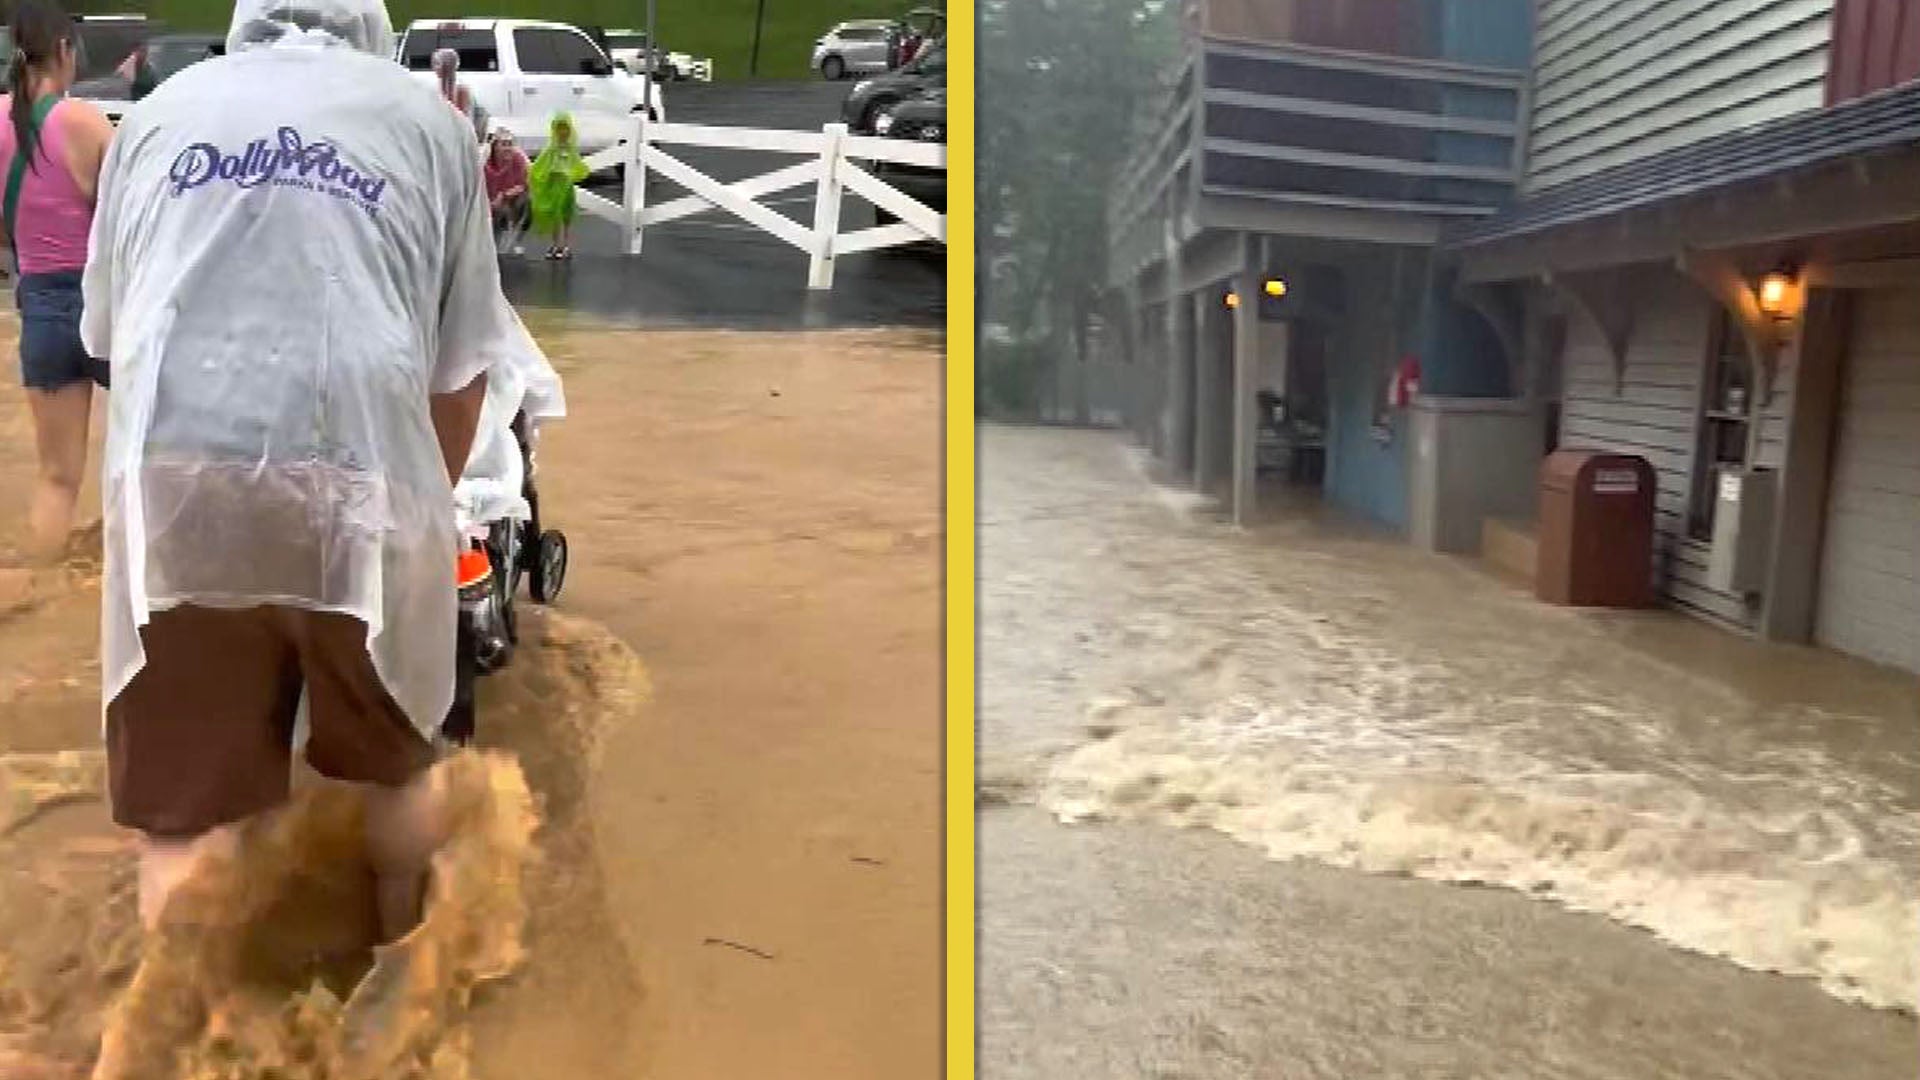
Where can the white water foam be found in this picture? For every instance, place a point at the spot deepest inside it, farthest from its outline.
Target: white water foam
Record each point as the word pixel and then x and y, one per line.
pixel 1339 699
pixel 1792 892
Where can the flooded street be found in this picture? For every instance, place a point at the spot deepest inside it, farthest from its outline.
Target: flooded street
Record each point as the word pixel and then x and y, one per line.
pixel 733 867
pixel 1337 702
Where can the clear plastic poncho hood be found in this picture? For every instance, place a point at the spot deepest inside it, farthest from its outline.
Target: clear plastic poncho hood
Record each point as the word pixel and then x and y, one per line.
pixel 357 24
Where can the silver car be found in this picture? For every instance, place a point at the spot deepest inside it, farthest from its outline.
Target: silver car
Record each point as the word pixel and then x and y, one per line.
pixel 857 47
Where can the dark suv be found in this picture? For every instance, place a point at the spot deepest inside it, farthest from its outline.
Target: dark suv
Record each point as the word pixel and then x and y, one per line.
pixel 922 118
pixel 870 97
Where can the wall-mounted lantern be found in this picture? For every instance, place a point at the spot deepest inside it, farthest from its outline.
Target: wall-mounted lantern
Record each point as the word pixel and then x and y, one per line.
pixel 1233 300
pixel 1776 294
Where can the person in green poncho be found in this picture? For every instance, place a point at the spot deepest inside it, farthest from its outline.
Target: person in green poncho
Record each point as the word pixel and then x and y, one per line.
pixel 558 168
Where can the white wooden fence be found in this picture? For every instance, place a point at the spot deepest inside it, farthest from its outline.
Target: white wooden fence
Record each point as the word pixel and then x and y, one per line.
pixel 833 164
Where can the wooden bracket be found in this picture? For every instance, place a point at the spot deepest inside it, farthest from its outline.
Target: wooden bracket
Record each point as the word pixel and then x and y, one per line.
pixel 1722 280
pixel 1499 305
pixel 1605 299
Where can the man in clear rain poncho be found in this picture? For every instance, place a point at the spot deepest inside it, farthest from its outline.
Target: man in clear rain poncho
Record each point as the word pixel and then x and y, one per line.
pixel 293 274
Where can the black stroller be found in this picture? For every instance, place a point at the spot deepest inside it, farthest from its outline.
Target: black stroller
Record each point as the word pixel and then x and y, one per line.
pixel 490 573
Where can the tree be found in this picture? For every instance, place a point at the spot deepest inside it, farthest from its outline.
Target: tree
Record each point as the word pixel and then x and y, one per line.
pixel 1063 88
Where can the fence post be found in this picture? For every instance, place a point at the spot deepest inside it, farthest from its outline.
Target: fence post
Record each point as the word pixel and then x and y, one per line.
pixel 634 198
pixel 826 209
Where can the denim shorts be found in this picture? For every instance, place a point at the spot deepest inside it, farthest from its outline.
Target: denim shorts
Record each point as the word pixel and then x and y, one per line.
pixel 51 356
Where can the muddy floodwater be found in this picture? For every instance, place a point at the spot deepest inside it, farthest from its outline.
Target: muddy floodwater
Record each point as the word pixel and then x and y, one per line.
pixel 1659 820
pixel 706 840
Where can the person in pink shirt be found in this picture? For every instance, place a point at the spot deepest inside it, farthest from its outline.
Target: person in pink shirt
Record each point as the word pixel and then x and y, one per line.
pixel 506 174
pixel 51 147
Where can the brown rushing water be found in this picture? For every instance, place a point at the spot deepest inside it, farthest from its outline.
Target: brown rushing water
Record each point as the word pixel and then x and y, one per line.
pixel 1325 695
pixel 756 518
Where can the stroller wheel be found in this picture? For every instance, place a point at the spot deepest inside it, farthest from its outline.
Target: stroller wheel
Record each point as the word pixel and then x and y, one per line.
pixel 550 566
pixel 458 727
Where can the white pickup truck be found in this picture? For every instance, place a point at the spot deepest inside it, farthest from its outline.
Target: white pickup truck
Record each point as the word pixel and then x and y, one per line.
pixel 523 71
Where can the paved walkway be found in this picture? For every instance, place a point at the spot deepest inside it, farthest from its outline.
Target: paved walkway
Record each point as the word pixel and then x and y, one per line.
pixel 714 270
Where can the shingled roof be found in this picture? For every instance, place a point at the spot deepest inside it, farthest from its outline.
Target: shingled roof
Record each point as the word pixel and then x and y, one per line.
pixel 1888 120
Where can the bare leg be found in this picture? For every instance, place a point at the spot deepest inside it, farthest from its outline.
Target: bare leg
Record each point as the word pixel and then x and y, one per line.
pixel 60 419
pixel 404 826
pixel 165 864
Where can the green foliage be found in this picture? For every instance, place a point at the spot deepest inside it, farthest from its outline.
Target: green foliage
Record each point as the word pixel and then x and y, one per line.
pixel 1010 379
pixel 1063 92
pixel 721 29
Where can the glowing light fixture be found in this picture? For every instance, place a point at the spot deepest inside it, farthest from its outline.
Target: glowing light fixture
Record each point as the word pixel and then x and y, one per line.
pixel 1775 290
pixel 1276 288
pixel 1233 299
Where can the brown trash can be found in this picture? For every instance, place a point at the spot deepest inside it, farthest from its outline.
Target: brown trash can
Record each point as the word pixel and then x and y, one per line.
pixel 1596 530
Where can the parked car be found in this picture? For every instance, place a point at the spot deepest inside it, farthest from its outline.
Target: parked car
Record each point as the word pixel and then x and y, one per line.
pixel 919 29
pixel 629 48
pixel 857 47
pixel 105 41
pixel 523 71
pixel 167 55
pixel 922 118
pixel 872 96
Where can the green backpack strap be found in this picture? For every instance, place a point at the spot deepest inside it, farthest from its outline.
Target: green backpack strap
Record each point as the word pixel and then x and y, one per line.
pixel 18 172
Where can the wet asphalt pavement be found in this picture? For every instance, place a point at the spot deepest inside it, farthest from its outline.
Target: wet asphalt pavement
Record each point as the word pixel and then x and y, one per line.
pixel 714 270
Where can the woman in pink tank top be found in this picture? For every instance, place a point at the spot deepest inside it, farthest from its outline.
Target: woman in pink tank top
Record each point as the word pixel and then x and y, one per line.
pixel 50 154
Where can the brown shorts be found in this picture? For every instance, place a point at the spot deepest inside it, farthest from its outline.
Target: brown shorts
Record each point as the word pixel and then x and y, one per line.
pixel 203 735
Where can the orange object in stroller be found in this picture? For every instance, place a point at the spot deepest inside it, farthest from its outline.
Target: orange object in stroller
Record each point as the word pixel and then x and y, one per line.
pixel 488 573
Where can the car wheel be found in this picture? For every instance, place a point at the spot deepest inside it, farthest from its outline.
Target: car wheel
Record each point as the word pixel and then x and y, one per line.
pixel 833 69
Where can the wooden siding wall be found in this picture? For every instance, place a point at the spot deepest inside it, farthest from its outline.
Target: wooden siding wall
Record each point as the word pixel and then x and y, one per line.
pixel 1876 44
pixel 1617 80
pixel 1654 413
pixel 1870 562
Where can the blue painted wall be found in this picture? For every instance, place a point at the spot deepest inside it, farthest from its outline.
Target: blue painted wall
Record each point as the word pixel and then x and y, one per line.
pixel 1459 354
pixel 1495 33
pixel 1364 477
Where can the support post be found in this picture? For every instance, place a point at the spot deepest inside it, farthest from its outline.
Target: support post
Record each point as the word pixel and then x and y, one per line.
pixel 759 19
pixel 826 209
pixel 634 193
pixel 1246 375
pixel 1792 591
pixel 1176 419
pixel 1176 415
pixel 1206 390
pixel 1127 326
pixel 653 53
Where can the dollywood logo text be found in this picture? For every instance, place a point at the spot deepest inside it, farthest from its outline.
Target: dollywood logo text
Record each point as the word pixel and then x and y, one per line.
pixel 292 163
